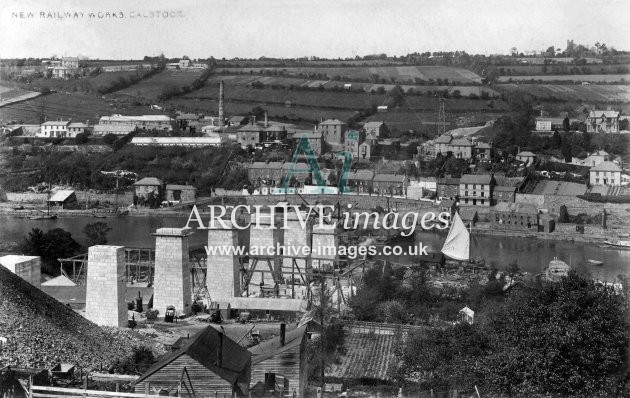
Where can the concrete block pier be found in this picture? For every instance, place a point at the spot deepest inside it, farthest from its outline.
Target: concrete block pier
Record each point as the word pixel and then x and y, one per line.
pixel 223 279
pixel 172 284
pixel 105 302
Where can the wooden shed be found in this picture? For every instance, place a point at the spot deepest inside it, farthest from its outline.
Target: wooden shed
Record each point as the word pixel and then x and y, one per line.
pixel 280 364
pixel 208 365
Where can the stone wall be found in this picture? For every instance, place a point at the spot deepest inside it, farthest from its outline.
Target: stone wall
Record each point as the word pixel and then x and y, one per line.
pixel 172 284
pixel 124 199
pixel 105 302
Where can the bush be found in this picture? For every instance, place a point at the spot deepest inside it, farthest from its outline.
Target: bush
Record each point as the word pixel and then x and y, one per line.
pixel 109 138
pixel 81 138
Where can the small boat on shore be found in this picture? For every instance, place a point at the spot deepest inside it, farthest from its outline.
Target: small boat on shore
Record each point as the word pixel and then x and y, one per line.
pixel 44 217
pixel 595 262
pixel 620 244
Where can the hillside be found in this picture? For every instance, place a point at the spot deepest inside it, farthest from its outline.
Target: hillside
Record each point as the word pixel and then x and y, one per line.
pixel 42 332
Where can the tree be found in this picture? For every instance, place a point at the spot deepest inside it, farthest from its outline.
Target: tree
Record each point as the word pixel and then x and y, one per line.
pixel 258 112
pixel 556 140
pixel 566 150
pixel 109 138
pixel 566 124
pixel 96 233
pixel 54 244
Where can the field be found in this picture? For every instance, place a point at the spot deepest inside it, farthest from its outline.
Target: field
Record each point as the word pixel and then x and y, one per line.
pixel 283 81
pixel 569 78
pixel 599 93
pixel 560 69
pixel 153 87
pixel 374 74
pixel 313 114
pixel 79 107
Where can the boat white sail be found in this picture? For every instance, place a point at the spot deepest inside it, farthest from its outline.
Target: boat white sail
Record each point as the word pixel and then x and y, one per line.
pixel 457 244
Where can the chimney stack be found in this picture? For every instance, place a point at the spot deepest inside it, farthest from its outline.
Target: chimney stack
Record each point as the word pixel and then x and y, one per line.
pixel 221 111
pixel 266 122
pixel 283 333
pixel 220 351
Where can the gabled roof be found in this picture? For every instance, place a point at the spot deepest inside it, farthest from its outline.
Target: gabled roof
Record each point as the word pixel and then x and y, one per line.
pixel 57 123
pixel 475 179
pixel 373 125
pixel 365 175
pixel 61 196
pixel 250 128
pixel 596 114
pixel 148 181
pixel 527 208
pixel 276 128
pixel 389 178
pixel 448 181
pixel 483 145
pixel 270 348
pixel 461 142
pixel 443 139
pixel 500 188
pixel 180 187
pixel 203 348
pixel 526 154
pixel 105 128
pixel 332 122
pixel 237 119
pixel 606 166
pixel 77 124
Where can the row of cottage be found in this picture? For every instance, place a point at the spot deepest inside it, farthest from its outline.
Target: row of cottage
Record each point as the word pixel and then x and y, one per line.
pixel 597 121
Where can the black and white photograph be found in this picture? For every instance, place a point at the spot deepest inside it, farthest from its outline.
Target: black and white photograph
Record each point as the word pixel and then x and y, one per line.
pixel 314 199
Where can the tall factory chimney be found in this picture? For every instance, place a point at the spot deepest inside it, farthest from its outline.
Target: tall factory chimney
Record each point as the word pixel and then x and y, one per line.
pixel 221 113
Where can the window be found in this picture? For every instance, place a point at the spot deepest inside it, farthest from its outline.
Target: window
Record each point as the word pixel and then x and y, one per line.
pixel 482 194
pixel 466 193
pixel 597 181
pixel 483 201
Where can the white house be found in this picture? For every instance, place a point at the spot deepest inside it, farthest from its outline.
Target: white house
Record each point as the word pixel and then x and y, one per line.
pixel 605 173
pixel 602 122
pixel 54 129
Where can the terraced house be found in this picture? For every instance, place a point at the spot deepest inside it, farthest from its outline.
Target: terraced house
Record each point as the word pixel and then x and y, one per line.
pixel 476 189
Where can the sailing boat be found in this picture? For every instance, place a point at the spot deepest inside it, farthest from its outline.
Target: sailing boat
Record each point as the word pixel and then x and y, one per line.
pixel 46 216
pixel 457 243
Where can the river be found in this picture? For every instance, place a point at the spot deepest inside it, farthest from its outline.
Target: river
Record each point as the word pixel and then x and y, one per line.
pixel 532 255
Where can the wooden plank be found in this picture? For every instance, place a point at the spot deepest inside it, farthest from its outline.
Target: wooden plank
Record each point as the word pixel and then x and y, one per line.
pixel 88 392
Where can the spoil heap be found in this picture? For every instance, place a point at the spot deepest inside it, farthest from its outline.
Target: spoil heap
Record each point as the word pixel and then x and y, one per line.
pixel 41 332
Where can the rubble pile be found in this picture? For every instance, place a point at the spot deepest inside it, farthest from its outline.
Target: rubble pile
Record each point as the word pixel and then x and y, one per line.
pixel 38 331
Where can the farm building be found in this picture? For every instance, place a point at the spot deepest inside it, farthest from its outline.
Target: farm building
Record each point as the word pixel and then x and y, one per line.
pixel 281 361
pixel 209 363
pixel 63 198
pixel 180 193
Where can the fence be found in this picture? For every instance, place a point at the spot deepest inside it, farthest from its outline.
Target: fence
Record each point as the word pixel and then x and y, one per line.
pixel 58 392
pixel 381 328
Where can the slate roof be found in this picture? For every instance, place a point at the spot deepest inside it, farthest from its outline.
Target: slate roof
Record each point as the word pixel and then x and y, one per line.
pixel 389 178
pixel 608 114
pixel 180 187
pixel 151 181
pixel 332 122
pixel 461 142
pixel 61 196
pixel 270 348
pixel 443 139
pixel 606 166
pixel 475 179
pixel 203 348
pixel 505 207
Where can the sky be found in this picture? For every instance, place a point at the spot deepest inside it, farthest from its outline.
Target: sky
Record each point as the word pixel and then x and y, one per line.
pixel 297 28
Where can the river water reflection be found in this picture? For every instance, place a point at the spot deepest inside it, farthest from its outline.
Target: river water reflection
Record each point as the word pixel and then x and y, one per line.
pixel 532 255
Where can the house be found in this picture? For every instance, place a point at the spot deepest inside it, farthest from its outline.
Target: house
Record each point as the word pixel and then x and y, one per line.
pixel 237 121
pixel 76 128
pixel 184 63
pixel 448 187
pixel 332 130
pixel 62 72
pixel 184 119
pixel 548 124
pixel 390 184
pixel 482 150
pixel 593 159
pixel 462 148
pixel 146 122
pixel 602 122
pixel 365 151
pixel 209 364
pixel 63 198
pixel 476 189
pixel 54 129
pixel 360 181
pixel 441 144
pixel 504 194
pixel 375 130
pixel 315 140
pixel 70 62
pixel 281 361
pixel 116 129
pixel 466 315
pixel 148 187
pixel 605 173
pixel 526 157
pixel 250 135
pixel 180 193
pixel 275 134
pixel 263 173
pixel 514 216
pixel 352 141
